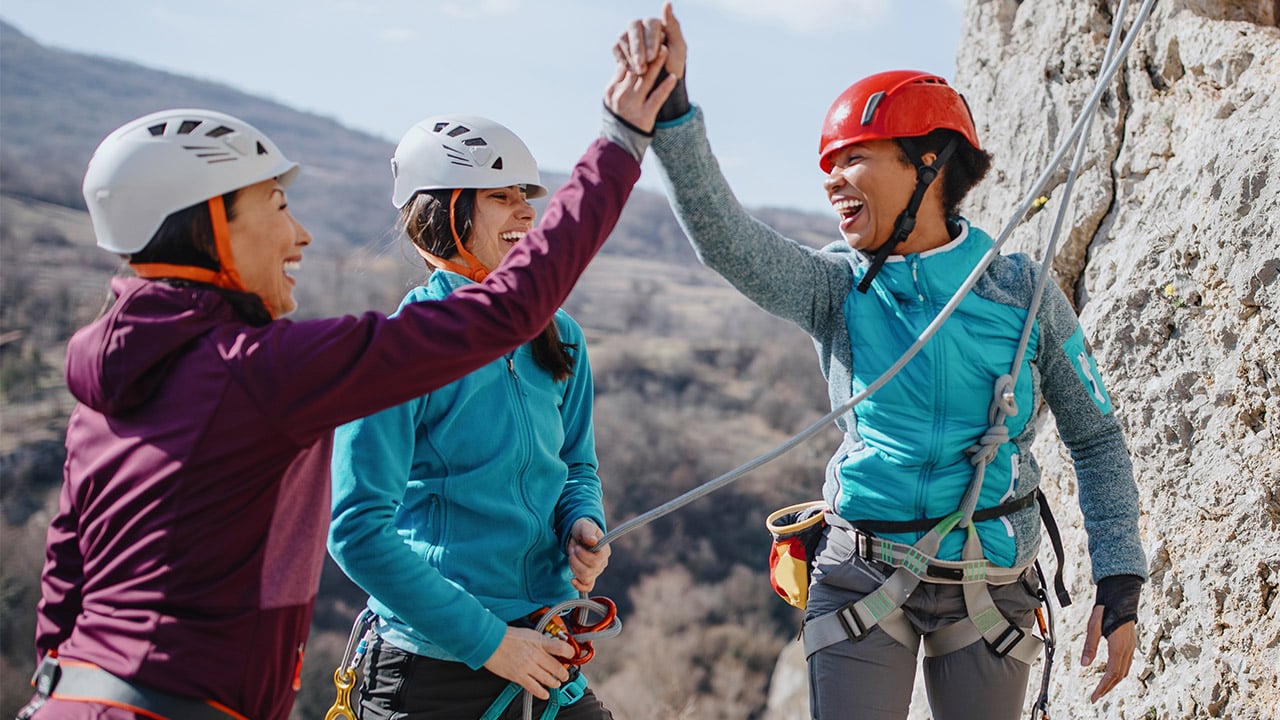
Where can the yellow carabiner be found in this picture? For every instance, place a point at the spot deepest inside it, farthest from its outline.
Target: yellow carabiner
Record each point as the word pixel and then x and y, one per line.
pixel 343 680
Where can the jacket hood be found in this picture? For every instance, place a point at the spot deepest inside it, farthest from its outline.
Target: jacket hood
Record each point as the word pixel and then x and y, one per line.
pixel 116 363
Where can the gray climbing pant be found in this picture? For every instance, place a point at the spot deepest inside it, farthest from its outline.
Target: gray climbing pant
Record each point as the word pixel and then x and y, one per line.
pixel 873 679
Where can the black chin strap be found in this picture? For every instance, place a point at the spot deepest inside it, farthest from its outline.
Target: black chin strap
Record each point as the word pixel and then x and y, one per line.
pixel 925 175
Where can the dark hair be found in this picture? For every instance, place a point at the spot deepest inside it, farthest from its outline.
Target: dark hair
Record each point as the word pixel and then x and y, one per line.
pixel 425 220
pixel 186 238
pixel 967 166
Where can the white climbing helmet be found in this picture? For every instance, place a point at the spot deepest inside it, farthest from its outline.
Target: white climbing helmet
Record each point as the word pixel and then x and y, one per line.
pixel 461 151
pixel 170 160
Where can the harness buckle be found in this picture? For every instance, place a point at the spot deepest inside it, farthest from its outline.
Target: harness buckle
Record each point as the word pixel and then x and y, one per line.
pixel 1007 641
pixel 46 676
pixel 852 624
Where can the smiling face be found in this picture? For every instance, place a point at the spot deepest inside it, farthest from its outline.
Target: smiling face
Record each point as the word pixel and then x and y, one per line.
pixel 502 216
pixel 869 186
pixel 266 243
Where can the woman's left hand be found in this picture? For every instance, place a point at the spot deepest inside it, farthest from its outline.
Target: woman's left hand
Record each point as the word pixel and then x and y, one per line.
pixel 585 563
pixel 1120 646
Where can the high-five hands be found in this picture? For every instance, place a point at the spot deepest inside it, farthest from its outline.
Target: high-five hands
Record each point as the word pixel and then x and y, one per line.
pixel 643 40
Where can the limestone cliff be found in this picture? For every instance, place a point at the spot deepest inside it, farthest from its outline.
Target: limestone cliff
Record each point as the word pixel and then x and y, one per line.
pixel 1172 256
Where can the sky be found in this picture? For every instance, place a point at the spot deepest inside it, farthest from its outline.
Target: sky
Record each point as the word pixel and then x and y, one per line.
pixel 763 71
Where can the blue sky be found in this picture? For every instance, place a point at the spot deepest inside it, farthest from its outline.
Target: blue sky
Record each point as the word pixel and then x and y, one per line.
pixel 764 71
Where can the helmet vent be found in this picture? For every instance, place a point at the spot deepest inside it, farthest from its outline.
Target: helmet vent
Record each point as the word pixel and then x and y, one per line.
pixel 869 111
pixel 219 131
pixel 497 164
pixel 210 153
pixel 262 150
pixel 187 126
pixel 157 130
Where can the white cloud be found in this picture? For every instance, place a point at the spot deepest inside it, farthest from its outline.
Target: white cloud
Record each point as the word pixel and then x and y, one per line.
pixel 808 17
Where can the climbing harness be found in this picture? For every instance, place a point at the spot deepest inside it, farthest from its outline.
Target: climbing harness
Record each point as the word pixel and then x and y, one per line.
pixel 882 607
pixel 554 621
pixel 75 681
pixel 1076 132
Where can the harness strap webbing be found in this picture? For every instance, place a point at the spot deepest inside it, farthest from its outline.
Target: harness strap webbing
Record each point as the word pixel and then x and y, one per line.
pixel 83 682
pixel 913 564
pixel 927 568
pixel 563 696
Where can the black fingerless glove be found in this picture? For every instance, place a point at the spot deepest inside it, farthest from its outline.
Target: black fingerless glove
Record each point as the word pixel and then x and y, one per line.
pixel 1118 596
pixel 677 104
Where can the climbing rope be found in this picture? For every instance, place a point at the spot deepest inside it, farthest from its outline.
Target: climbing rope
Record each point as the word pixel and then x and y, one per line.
pixel 1003 403
pixel 1078 130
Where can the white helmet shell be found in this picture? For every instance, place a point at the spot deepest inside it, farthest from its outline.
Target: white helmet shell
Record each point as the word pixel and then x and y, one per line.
pixel 170 160
pixel 461 151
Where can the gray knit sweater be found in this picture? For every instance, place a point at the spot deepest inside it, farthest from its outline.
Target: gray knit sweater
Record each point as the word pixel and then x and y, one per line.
pixel 810 287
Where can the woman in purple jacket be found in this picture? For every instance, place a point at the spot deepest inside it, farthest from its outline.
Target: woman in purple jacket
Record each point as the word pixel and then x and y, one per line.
pixel 183 562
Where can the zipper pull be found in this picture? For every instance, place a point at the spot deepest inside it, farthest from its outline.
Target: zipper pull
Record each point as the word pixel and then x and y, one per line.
pixel 915 277
pixel 511 366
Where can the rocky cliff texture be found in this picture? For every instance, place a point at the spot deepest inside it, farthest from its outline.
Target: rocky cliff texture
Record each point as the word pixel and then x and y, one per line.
pixel 1172 255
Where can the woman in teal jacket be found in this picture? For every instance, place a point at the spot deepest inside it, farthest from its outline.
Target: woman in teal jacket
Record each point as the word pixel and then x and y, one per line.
pixel 467 510
pixel 900 151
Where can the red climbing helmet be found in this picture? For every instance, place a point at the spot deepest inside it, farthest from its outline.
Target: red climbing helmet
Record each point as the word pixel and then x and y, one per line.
pixel 893 104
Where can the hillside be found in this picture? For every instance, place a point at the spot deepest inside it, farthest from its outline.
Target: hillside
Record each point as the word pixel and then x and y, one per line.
pixel 691 381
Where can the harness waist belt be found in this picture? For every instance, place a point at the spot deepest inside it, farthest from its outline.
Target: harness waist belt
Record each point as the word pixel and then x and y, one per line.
pixel 888 527
pixel 82 682
pixel 948 572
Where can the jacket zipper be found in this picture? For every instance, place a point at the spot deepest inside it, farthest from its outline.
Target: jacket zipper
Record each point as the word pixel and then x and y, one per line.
pixel 522 415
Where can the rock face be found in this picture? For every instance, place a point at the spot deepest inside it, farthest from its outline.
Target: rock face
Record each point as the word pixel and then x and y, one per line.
pixel 1171 252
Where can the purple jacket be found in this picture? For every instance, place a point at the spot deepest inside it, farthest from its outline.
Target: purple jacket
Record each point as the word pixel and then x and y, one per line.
pixel 187 548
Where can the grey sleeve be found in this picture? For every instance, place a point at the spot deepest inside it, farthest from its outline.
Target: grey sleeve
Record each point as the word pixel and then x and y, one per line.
pixel 623 134
pixel 790 280
pixel 1073 388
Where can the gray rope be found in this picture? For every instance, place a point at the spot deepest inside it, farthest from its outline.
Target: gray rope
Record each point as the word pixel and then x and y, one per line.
pixel 1077 131
pixel 1004 405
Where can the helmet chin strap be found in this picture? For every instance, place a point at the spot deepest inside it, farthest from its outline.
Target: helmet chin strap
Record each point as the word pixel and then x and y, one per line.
pixel 227 277
pixel 906 222
pixel 473 269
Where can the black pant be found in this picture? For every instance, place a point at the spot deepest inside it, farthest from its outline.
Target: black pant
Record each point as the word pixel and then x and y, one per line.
pixel 399 685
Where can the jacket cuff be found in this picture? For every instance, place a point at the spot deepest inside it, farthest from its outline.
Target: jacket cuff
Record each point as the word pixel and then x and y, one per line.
pixel 624 134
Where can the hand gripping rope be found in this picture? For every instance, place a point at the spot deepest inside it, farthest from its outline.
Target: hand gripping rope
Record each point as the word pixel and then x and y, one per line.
pixel 553 621
pixel 1002 405
pixel 578 633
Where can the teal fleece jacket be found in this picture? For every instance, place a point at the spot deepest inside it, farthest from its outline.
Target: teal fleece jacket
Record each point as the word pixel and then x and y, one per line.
pixel 903 454
pixel 453 510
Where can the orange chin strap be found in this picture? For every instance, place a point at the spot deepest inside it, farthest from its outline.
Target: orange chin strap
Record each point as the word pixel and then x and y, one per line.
pixel 473 268
pixel 227 278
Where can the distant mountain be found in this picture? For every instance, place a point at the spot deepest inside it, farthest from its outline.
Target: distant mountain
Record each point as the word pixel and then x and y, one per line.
pixel 56 106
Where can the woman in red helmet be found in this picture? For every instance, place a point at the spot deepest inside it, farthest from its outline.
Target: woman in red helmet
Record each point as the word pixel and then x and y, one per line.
pixel 922 455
